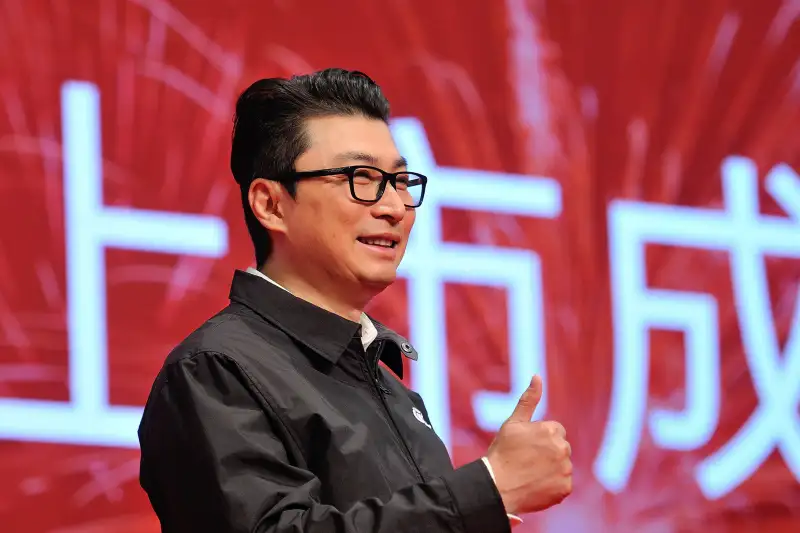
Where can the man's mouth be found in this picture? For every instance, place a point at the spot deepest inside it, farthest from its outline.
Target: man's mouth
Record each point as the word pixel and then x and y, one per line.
pixel 384 243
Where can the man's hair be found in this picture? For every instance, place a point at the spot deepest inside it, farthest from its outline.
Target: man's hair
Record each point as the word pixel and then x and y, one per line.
pixel 269 128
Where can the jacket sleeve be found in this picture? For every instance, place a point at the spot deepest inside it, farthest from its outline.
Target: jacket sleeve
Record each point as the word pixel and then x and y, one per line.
pixel 214 459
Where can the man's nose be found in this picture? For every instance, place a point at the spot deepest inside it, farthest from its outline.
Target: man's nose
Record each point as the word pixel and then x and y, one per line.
pixel 391 205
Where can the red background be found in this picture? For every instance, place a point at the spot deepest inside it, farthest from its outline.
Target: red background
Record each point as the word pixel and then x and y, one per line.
pixel 638 100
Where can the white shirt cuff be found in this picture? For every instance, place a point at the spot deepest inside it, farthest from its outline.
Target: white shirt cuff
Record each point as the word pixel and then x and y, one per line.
pixel 514 519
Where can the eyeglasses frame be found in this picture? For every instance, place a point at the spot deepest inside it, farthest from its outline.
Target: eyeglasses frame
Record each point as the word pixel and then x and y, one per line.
pixel 349 171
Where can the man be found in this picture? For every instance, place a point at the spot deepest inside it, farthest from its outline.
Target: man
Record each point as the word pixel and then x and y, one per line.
pixel 275 415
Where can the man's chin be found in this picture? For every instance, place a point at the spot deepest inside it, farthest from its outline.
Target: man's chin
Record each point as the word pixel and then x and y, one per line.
pixel 378 280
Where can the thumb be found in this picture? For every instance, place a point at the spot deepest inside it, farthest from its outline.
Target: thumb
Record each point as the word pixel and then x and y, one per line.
pixel 523 412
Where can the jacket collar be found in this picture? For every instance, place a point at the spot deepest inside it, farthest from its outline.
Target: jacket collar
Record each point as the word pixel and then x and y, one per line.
pixel 395 347
pixel 326 333
pixel 368 331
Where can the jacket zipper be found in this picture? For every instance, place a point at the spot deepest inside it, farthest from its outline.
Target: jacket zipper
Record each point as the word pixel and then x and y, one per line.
pixel 373 369
pixel 381 391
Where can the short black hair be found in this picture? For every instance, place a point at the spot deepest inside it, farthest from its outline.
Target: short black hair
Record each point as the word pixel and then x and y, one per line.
pixel 269 128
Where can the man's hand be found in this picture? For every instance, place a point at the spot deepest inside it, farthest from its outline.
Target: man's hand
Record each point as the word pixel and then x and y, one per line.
pixel 531 460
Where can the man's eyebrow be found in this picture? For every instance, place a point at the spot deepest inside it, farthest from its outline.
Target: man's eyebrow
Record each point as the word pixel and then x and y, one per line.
pixel 400 162
pixel 368 159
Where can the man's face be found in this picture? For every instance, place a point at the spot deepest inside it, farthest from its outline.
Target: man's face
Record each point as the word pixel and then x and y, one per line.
pixel 328 232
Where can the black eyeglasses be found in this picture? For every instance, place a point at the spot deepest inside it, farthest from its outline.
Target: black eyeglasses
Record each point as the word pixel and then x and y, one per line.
pixel 367 184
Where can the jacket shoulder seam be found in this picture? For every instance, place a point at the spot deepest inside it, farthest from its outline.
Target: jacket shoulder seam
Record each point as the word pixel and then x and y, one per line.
pixel 268 400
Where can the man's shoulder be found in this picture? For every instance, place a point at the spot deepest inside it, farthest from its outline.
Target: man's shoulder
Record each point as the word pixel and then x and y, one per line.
pixel 235 332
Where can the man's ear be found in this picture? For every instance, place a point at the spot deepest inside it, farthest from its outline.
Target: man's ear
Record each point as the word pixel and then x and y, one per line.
pixel 267 200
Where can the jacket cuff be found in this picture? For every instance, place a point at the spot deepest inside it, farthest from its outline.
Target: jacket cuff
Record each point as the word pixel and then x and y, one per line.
pixel 477 499
pixel 514 519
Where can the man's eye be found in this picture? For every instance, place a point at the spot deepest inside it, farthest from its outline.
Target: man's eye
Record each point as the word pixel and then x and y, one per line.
pixel 365 176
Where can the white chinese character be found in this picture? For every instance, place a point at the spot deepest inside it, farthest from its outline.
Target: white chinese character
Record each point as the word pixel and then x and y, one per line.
pixel 91 228
pixel 748 236
pixel 430 262
pixel 776 376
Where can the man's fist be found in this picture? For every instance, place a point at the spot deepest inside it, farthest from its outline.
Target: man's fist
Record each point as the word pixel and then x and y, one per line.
pixel 531 460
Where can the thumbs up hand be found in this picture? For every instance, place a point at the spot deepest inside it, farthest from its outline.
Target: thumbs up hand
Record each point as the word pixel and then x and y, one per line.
pixel 531 460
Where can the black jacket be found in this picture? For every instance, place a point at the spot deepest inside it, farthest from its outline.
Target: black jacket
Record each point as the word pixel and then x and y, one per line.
pixel 272 418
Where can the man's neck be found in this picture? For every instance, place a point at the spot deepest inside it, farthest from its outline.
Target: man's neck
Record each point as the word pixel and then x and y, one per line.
pixel 298 286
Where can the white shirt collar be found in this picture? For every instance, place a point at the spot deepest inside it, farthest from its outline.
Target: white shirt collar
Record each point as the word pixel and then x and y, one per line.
pixel 368 330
